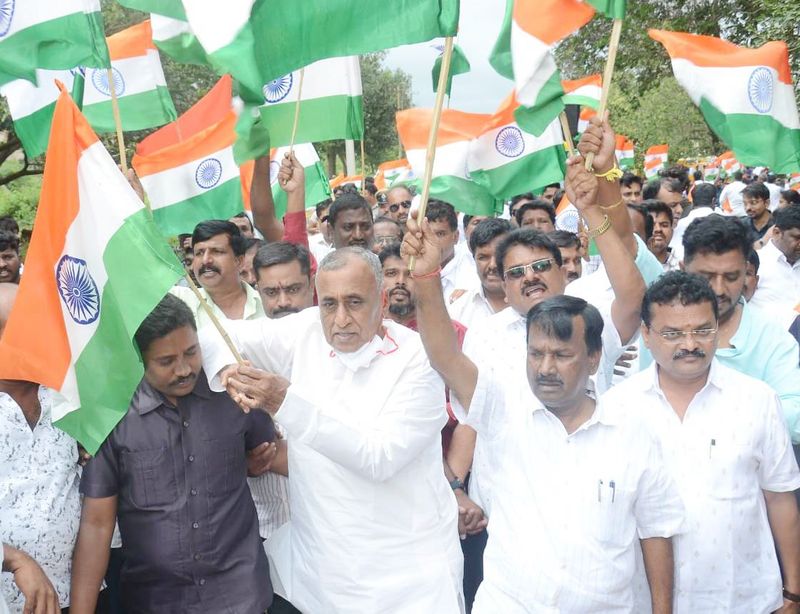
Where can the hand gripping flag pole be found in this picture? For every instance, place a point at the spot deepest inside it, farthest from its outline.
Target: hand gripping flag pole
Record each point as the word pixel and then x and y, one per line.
pixel 608 73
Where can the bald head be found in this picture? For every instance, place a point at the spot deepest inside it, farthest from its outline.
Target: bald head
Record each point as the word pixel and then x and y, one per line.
pixel 8 292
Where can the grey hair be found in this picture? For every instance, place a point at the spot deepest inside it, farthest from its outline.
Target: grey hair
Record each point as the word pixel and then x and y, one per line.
pixel 338 258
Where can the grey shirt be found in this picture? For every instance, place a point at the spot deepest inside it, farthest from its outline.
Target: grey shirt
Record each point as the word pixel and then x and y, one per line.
pixel 188 524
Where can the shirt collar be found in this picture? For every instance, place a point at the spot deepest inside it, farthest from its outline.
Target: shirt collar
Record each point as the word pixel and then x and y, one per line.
pixel 714 378
pixel 146 398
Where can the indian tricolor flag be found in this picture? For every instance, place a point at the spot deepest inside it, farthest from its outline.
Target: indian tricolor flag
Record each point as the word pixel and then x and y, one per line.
pixel 330 103
pixel 168 8
pixel 508 161
pixel 31 106
pixel 52 35
pixel 144 100
pixel 393 171
pixel 257 41
pixel 585 92
pixel 624 152
pixel 187 168
pixel 746 95
pixel 728 162
pixel 794 182
pixel 95 268
pixel 655 159
pixel 451 181
pixel 587 113
pixel 175 38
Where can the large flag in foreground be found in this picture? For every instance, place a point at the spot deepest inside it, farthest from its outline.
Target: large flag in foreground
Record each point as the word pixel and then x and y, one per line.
pixel 175 38
pixel 451 181
pixel 144 100
pixel 187 168
pixel 52 35
pixel 257 41
pixel 330 103
pixel 746 95
pixel 95 268
pixel 508 161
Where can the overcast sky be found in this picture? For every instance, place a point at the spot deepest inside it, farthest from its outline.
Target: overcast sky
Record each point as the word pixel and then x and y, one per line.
pixel 479 91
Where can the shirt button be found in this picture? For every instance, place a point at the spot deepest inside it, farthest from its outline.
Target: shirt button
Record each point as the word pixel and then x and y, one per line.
pixel 202 582
pixel 195 525
pixel 193 492
pixel 186 424
pixel 197 557
pixel 191 458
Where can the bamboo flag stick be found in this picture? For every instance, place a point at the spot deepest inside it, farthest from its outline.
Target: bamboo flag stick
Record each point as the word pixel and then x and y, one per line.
pixel 567 135
pixel 214 319
pixel 363 167
pixel 118 121
pixel 297 110
pixel 430 154
pixel 608 74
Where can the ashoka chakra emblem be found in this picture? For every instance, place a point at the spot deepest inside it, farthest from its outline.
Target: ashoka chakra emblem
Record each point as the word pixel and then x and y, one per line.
pixel 208 173
pixel 278 89
pixel 568 221
pixel 274 168
pixel 100 81
pixel 78 290
pixel 760 89
pixel 509 142
pixel 6 15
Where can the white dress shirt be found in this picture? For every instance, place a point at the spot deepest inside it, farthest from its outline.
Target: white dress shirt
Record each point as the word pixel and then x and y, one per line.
pixel 774 195
pixel 374 521
pixel 676 244
pixel 731 445
pixel 40 505
pixel 778 290
pixel 471 308
pixel 319 246
pixel 731 201
pixel 459 274
pixel 566 510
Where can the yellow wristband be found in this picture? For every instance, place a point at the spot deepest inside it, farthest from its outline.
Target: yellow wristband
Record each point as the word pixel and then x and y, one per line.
pixel 610 207
pixel 610 175
pixel 601 229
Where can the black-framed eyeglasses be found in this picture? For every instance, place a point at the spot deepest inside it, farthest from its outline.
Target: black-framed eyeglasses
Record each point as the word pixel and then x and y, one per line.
pixel 537 266
pixel 324 219
pixel 406 204
pixel 675 336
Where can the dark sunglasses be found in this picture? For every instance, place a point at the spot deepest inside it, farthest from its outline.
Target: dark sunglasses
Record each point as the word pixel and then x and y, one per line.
pixel 537 266
pixel 406 204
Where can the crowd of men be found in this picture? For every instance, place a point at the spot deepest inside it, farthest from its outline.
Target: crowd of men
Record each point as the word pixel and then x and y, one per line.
pixel 448 414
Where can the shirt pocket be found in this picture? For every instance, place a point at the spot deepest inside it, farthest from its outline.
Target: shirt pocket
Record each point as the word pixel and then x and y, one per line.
pixel 612 517
pixel 226 464
pixel 730 475
pixel 150 478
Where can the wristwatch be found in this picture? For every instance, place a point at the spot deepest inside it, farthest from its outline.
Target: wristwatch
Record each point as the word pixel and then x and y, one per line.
pixel 455 483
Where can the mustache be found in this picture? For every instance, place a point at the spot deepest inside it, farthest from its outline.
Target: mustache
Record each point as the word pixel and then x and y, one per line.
pixel 209 267
pixel 398 290
pixel 284 311
pixel 533 284
pixel 680 354
pixel 542 380
pixel 180 381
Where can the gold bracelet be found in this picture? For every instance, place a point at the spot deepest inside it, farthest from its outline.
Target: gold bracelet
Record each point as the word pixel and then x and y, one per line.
pixel 610 175
pixel 601 229
pixel 610 207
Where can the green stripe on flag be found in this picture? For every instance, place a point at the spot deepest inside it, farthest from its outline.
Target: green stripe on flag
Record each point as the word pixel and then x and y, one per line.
pixel 317 189
pixel 59 44
pixel 130 293
pixel 459 65
pixel 610 8
pixel 756 140
pixel 321 119
pixel 584 101
pixel 137 111
pixel 168 8
pixel 546 108
pixel 34 130
pixel 463 194
pixel 219 203
pixel 528 174
pixel 184 48
pixel 500 58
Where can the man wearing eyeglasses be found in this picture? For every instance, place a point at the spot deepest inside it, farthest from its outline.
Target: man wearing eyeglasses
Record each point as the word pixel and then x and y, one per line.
pixel 728 450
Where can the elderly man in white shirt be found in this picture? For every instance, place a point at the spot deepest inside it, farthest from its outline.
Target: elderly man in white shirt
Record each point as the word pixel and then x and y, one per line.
pixel 778 290
pixel 727 448
pixel 575 484
pixel 374 521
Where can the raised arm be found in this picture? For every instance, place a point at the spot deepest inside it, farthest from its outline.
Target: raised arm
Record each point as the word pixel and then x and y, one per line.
pixel 262 203
pixel 90 557
pixel 626 280
pixel 292 179
pixel 433 321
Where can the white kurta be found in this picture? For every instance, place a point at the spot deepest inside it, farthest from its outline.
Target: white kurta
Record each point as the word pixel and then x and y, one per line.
pixel 731 445
pixel 778 290
pixel 374 522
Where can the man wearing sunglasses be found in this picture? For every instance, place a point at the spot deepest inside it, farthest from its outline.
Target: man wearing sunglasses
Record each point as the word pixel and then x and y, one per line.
pixel 728 450
pixel 398 204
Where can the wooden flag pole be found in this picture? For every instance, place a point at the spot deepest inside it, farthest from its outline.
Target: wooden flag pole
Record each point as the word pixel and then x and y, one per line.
pixel 363 167
pixel 118 121
pixel 430 154
pixel 567 134
pixel 608 73
pixel 214 319
pixel 297 110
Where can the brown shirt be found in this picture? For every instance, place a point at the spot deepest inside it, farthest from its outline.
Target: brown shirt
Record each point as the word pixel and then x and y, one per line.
pixel 187 520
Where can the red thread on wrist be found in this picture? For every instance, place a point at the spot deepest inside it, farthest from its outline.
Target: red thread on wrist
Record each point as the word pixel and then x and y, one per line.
pixel 431 274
